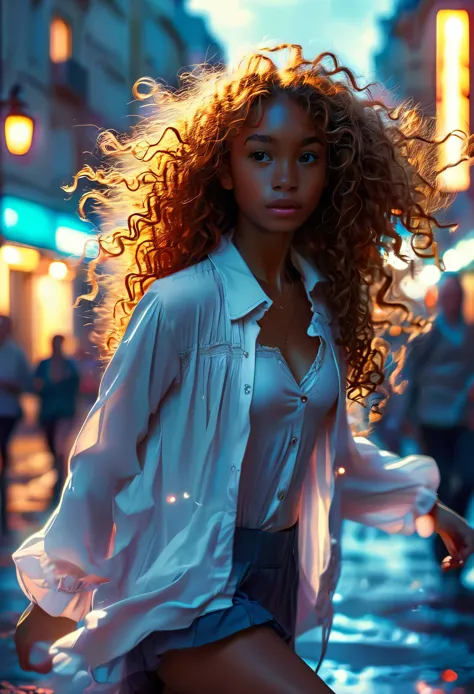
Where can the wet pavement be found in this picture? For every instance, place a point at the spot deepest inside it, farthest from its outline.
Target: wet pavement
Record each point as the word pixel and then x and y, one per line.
pixel 400 627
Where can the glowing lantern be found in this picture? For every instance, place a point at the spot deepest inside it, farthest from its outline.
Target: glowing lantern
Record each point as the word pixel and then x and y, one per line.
pixel 19 127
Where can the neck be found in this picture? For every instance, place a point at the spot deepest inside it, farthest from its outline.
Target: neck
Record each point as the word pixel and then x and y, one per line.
pixel 264 252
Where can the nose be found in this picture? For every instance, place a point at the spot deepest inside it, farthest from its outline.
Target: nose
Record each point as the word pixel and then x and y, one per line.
pixel 284 176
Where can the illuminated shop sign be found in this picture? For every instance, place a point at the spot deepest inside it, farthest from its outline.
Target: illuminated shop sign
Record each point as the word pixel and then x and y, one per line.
pixel 32 224
pixel 452 93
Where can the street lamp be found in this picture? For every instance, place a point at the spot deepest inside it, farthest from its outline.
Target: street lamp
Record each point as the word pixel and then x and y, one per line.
pixel 19 126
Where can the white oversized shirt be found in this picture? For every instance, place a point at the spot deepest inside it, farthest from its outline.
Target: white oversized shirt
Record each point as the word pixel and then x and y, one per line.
pixel 142 538
pixel 285 417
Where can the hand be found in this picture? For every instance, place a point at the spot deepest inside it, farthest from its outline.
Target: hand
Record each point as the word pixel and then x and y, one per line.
pixel 456 534
pixel 36 625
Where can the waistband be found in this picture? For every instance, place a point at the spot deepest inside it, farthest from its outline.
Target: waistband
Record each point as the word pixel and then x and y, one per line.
pixel 262 548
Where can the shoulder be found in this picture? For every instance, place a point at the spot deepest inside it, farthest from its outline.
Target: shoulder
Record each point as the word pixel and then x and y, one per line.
pixel 194 289
pixel 17 351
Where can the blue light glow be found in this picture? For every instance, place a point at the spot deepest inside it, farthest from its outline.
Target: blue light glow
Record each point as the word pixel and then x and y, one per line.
pixel 35 225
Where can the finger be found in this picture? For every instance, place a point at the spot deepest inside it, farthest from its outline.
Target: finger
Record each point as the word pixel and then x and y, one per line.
pixel 450 563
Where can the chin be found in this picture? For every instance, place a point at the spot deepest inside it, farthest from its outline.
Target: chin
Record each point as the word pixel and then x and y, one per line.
pixel 282 226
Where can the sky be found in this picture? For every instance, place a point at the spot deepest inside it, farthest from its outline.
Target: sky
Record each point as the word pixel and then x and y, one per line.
pixel 348 28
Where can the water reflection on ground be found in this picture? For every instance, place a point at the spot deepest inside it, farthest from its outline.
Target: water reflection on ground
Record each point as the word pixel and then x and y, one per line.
pixel 400 626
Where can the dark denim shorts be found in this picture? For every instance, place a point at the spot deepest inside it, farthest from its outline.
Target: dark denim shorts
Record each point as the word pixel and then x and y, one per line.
pixel 266 564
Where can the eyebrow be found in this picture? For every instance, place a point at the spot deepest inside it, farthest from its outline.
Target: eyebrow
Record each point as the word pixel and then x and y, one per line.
pixel 269 139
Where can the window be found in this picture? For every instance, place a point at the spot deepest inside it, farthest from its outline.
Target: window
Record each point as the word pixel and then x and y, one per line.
pixel 60 40
pixel 35 31
pixel 64 160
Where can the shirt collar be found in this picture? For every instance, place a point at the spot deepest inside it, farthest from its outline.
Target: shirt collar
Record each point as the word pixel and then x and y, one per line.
pixel 244 293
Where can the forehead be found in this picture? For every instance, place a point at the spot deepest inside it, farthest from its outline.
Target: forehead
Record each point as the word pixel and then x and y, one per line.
pixel 281 117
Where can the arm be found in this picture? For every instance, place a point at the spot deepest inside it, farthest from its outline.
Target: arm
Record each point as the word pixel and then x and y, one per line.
pixel 382 490
pixel 60 566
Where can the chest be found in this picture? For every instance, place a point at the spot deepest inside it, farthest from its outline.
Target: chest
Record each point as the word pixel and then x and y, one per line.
pixel 288 330
pixel 58 371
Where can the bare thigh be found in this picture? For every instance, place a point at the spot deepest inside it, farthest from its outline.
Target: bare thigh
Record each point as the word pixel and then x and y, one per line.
pixel 254 661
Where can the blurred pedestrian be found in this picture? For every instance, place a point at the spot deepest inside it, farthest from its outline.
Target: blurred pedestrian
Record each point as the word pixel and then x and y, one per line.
pixel 57 384
pixel 439 399
pixel 15 378
pixel 90 373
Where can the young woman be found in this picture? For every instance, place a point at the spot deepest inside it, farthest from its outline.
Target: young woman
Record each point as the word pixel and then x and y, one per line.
pixel 199 527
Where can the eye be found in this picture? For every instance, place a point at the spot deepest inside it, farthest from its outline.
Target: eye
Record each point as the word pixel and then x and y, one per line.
pixel 260 156
pixel 306 155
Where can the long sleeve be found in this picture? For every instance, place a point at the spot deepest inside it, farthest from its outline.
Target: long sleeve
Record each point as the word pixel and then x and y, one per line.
pixel 382 490
pixel 62 564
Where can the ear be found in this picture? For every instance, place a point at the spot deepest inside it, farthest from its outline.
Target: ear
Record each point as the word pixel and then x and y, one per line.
pixel 225 177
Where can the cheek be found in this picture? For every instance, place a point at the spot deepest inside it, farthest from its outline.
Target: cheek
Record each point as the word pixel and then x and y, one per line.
pixel 249 181
pixel 315 183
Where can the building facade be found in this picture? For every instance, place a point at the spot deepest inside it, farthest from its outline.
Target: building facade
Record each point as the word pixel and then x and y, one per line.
pixel 427 55
pixel 76 62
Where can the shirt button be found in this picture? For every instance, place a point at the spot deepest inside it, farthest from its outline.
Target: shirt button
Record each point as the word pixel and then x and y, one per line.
pixel 294 441
pixel 281 495
pixel 304 398
pixel 246 354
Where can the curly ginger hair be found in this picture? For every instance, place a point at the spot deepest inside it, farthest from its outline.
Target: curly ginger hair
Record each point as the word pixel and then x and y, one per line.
pixel 162 207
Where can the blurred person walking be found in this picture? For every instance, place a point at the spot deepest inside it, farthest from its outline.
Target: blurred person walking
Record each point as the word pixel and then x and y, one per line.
pixel 15 378
pixel 57 384
pixel 438 403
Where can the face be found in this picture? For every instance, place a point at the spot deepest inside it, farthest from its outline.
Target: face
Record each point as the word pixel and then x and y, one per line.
pixel 277 169
pixel 450 298
pixel 57 343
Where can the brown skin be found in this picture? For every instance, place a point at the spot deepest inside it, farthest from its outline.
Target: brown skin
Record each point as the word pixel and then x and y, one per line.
pixel 257 660
pixel 260 173
pixel 291 165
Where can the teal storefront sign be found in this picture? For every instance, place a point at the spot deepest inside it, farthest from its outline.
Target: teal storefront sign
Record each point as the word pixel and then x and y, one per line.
pixel 32 224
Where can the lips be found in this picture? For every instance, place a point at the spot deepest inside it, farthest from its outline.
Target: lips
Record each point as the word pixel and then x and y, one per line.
pixel 283 205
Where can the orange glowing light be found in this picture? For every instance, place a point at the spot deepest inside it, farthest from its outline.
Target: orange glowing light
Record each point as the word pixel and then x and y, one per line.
pixel 341 470
pixel 171 499
pixel 60 40
pixel 452 94
pixel 20 258
pixel 18 133
pixel 449 676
